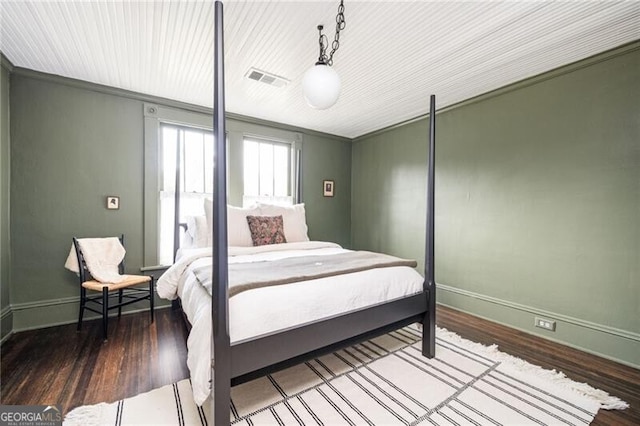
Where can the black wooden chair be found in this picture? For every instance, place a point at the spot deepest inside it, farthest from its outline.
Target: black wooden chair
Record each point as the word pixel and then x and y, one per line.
pixel 126 292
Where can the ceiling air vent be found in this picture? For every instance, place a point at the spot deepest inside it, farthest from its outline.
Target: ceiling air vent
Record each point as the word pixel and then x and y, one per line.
pixel 267 78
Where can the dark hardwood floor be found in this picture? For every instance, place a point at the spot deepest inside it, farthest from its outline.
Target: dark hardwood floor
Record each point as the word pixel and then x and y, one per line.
pixel 59 366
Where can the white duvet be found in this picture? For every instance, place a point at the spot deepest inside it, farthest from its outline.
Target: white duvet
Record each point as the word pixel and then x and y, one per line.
pixel 269 309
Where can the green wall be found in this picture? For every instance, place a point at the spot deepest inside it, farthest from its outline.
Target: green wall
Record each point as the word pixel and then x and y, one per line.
pixel 328 217
pixel 5 311
pixel 537 203
pixel 70 148
pixel 72 144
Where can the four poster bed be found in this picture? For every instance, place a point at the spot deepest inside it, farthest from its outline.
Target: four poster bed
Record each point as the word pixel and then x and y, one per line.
pixel 284 322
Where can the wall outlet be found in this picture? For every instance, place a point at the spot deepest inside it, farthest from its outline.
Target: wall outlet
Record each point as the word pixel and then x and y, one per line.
pixel 547 324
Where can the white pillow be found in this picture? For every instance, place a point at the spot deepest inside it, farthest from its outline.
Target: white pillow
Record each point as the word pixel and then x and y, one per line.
pixel 238 233
pixel 294 217
pixel 198 230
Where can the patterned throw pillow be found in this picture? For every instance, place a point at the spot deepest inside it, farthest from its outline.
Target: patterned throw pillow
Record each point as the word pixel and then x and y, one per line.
pixel 266 230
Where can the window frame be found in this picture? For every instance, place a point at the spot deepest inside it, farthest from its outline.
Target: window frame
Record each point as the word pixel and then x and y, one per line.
pixel 167 180
pixel 292 184
pixel 154 116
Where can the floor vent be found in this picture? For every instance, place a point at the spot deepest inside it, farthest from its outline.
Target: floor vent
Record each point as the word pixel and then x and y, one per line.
pixel 267 78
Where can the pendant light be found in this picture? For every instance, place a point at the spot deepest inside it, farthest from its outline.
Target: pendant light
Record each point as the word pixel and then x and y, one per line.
pixel 321 84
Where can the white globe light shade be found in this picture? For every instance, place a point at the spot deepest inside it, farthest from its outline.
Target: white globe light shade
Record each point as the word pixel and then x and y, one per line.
pixel 321 86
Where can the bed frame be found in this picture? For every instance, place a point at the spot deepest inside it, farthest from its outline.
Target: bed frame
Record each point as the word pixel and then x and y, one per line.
pixel 241 361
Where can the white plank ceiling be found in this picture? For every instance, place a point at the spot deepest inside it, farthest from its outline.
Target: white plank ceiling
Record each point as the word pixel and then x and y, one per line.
pixel 392 54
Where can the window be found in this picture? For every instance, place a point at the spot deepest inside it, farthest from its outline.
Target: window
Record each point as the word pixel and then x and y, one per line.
pixel 181 139
pixel 190 151
pixel 268 171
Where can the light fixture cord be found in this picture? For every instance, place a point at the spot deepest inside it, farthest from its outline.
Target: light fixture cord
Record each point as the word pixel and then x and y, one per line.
pixel 324 41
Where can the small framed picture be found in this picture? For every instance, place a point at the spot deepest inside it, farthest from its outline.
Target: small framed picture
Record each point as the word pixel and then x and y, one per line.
pixel 327 186
pixel 113 203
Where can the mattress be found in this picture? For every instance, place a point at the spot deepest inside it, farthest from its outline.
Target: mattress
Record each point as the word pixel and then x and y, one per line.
pixel 270 309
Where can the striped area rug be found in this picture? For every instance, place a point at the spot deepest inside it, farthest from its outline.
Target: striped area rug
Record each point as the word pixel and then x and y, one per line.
pixel 383 381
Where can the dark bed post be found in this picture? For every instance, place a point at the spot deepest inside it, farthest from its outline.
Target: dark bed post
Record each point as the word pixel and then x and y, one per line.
pixel 429 322
pixel 221 350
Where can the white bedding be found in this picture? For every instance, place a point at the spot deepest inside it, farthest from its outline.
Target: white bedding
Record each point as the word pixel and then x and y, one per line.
pixel 269 309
